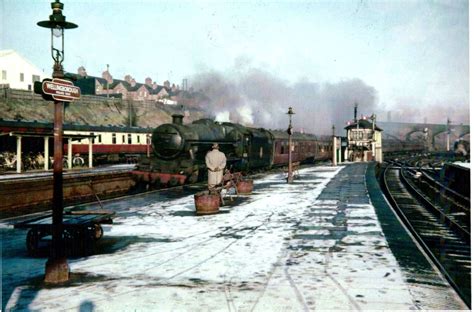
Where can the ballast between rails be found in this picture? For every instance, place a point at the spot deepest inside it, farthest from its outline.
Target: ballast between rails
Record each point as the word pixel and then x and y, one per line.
pixel 412 224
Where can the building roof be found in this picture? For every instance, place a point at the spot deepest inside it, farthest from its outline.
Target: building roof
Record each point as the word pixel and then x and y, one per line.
pixel 129 87
pixel 6 52
pixel 87 85
pixel 362 124
pixel 13 53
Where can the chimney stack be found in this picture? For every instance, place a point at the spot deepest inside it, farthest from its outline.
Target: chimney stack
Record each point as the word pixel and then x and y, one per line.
pixel 355 112
pixel 177 119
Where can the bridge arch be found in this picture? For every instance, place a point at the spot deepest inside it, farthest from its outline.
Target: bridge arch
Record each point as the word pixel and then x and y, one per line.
pixel 423 131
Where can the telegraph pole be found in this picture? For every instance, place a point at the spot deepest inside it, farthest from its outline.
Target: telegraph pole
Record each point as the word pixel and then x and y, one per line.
pixel 290 132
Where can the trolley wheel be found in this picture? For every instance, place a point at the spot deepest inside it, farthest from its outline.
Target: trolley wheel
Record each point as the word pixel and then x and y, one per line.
pixel 96 231
pixel 99 231
pixel 32 241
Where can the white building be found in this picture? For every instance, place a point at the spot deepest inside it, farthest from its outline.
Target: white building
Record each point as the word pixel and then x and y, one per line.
pixel 17 72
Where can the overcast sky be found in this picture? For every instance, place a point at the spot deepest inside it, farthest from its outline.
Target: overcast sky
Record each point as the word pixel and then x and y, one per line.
pixel 412 53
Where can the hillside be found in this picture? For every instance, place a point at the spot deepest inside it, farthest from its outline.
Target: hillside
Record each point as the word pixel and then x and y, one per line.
pixel 91 110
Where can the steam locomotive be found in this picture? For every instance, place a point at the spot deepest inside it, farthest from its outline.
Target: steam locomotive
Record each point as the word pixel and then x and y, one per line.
pixel 179 150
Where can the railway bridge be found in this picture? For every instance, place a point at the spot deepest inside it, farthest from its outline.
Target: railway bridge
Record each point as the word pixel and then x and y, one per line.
pixel 435 136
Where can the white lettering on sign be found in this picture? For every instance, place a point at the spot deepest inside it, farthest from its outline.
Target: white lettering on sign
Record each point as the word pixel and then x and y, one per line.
pixel 62 89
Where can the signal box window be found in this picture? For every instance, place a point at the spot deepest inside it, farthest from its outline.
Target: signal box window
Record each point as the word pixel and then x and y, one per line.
pixel 114 138
pixel 129 137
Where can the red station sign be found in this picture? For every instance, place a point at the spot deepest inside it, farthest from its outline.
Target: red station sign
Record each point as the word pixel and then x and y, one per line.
pixel 61 90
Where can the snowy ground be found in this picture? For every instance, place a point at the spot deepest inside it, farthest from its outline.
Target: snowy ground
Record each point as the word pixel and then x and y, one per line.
pixel 277 250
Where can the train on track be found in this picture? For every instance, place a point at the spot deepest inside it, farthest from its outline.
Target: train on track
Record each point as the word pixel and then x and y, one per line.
pixel 179 150
pixel 390 146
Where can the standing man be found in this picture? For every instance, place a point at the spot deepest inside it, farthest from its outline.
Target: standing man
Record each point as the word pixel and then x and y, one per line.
pixel 215 162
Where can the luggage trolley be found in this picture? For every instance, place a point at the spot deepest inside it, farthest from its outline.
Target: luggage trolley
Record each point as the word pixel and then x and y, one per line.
pixel 80 230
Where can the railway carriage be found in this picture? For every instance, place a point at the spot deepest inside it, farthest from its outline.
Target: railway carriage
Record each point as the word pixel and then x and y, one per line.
pixel 110 144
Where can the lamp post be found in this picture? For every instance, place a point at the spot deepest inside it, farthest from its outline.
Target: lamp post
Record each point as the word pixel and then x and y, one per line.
pixel 373 143
pixel 290 132
pixel 448 133
pixel 108 81
pixel 57 269
pixel 334 146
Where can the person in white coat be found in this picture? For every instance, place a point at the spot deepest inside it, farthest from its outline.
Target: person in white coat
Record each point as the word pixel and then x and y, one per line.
pixel 215 162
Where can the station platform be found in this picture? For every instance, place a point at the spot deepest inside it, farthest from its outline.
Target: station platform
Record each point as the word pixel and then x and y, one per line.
pixel 33 174
pixel 328 241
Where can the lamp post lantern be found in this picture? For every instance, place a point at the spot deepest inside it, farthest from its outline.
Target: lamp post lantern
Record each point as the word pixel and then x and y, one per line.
pixel 57 269
pixel 290 132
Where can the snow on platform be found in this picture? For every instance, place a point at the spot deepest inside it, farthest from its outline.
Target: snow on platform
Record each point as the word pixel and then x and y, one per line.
pixel 284 248
pixel 466 165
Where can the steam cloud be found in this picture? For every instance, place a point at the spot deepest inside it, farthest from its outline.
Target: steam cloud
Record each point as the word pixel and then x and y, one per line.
pixel 254 97
pixel 257 98
pixel 437 113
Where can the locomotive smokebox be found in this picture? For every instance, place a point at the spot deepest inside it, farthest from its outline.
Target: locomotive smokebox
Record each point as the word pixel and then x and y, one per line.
pixel 177 119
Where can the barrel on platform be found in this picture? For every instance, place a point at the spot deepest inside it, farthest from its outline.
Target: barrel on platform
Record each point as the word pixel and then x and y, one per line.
pixel 245 187
pixel 206 203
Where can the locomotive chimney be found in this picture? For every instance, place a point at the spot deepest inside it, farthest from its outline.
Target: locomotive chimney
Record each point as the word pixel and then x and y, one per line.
pixel 177 119
pixel 355 112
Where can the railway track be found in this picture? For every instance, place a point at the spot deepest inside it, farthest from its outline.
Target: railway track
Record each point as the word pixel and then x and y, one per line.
pixel 443 230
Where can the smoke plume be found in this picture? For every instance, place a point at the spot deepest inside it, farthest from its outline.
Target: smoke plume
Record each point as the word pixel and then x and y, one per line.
pixel 254 97
pixel 413 111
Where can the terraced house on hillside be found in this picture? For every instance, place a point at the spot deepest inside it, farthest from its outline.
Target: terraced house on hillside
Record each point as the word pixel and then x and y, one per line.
pixel 127 88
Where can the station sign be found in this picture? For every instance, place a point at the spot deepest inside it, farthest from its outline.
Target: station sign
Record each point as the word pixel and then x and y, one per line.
pixel 61 90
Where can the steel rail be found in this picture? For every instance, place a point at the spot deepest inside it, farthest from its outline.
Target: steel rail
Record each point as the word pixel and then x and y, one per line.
pixel 433 208
pixel 399 211
pixel 461 198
